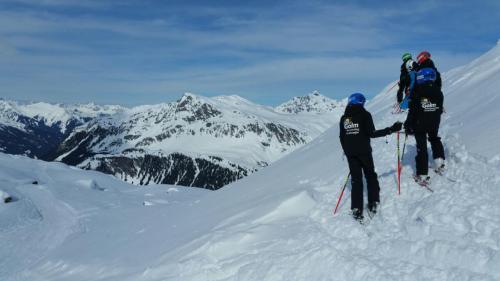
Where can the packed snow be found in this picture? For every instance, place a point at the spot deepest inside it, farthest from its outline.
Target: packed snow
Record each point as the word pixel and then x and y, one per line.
pixel 276 224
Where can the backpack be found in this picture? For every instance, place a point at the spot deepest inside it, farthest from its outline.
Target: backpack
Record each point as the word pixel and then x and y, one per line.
pixel 426 75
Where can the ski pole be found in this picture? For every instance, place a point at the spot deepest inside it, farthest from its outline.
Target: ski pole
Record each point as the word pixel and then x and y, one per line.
pixel 341 193
pixel 392 87
pixel 404 146
pixel 399 167
pixel 400 162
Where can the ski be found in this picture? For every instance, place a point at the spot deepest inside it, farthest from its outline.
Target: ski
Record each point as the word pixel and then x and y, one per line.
pixel 423 183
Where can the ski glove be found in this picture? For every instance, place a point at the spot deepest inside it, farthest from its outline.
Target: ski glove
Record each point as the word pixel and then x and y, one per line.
pixel 395 127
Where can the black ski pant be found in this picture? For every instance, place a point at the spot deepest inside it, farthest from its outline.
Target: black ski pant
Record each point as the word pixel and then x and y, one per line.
pixel 359 165
pixel 399 95
pixel 422 159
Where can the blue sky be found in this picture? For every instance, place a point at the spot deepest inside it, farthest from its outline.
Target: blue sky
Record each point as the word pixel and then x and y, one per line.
pixel 143 52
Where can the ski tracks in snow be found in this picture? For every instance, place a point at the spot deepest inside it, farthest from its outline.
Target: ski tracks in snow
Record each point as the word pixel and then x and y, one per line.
pixel 37 224
pixel 428 236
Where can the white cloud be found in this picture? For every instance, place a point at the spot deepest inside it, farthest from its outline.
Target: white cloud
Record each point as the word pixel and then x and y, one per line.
pixel 236 49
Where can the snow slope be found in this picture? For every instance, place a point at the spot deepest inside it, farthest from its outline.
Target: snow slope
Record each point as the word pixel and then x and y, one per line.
pixel 78 224
pixel 471 87
pixel 276 224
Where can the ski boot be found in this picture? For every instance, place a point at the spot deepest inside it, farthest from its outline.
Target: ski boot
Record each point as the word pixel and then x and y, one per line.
pixel 357 214
pixel 372 208
pixel 439 166
pixel 423 180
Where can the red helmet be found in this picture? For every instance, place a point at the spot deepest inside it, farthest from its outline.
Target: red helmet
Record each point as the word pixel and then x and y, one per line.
pixel 423 56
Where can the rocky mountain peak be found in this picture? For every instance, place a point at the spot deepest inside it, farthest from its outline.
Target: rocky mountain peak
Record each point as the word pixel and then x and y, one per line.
pixel 192 108
pixel 186 102
pixel 312 103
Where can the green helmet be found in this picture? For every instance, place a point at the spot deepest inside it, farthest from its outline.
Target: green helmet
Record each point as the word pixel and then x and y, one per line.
pixel 406 57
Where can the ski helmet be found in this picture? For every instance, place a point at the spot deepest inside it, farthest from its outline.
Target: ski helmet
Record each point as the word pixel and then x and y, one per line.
pixel 406 56
pixel 356 99
pixel 410 65
pixel 426 75
pixel 423 56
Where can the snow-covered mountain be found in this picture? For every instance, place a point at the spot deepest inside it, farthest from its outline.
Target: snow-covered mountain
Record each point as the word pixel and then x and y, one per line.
pixel 36 129
pixel 273 225
pixel 59 115
pixel 195 141
pixel 312 103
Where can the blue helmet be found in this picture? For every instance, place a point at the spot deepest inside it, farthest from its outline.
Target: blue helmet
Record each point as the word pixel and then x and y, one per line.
pixel 426 75
pixel 356 99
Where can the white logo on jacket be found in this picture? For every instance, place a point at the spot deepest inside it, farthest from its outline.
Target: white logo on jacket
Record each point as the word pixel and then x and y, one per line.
pixel 428 106
pixel 351 127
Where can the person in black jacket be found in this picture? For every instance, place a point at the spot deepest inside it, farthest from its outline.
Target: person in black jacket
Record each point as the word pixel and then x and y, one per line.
pixel 424 117
pixel 356 130
pixel 404 79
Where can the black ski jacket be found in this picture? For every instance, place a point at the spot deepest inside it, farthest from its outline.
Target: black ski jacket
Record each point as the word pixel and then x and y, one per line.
pixel 426 106
pixel 404 82
pixel 356 129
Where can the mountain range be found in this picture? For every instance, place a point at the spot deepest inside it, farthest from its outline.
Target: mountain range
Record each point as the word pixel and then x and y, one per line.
pixel 194 141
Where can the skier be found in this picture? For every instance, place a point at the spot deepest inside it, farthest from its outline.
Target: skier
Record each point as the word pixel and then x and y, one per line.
pixel 411 68
pixel 403 78
pixel 424 117
pixel 356 129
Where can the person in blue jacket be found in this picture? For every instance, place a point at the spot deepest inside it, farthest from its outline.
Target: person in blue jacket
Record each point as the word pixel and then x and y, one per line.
pixel 411 68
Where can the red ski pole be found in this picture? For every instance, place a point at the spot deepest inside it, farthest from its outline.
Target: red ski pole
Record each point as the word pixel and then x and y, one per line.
pixel 391 88
pixel 399 167
pixel 341 194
